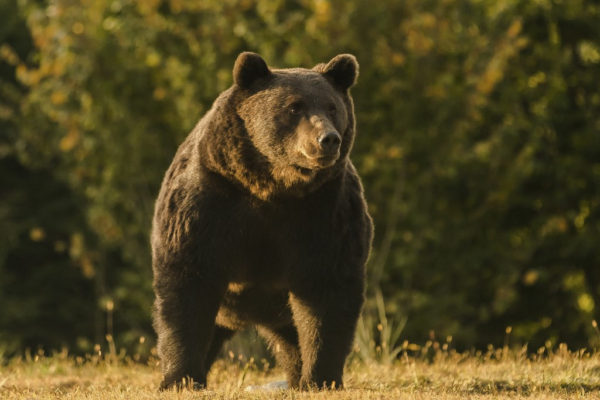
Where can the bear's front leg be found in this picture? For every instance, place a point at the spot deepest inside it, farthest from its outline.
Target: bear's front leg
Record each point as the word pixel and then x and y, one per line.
pixel 184 319
pixel 326 320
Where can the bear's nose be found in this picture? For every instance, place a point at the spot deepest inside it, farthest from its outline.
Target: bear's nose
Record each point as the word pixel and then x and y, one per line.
pixel 330 142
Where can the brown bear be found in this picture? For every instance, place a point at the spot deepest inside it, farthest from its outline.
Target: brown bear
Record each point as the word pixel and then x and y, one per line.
pixel 261 221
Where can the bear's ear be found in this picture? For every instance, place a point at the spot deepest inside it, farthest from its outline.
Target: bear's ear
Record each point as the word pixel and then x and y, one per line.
pixel 248 68
pixel 342 70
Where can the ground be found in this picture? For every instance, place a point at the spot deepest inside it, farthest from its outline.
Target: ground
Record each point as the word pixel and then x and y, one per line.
pixel 441 374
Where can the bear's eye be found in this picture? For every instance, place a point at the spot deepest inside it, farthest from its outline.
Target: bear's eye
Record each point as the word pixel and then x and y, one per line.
pixel 296 108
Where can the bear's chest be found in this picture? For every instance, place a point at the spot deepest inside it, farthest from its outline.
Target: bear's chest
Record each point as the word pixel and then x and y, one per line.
pixel 271 241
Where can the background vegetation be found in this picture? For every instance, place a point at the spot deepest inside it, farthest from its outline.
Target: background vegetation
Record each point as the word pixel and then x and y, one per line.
pixel 478 143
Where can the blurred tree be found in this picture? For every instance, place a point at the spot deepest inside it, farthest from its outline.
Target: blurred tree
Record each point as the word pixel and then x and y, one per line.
pixel 41 291
pixel 492 111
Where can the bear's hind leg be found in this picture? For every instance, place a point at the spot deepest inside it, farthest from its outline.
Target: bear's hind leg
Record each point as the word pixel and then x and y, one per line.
pixel 326 321
pixel 283 341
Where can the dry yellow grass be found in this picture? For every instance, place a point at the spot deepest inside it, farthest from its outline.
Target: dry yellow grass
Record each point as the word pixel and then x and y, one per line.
pixel 444 375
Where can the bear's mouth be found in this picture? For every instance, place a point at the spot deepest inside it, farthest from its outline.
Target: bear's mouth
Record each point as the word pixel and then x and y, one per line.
pixel 303 170
pixel 326 161
pixel 319 160
pixel 308 166
pixel 317 163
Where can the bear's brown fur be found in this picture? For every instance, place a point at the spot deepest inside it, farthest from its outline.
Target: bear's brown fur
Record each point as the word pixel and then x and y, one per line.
pixel 261 220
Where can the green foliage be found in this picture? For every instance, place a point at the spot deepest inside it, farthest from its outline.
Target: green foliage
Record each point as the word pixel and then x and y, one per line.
pixel 478 145
pixel 494 121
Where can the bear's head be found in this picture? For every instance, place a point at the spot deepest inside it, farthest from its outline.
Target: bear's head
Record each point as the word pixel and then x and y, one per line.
pixel 300 120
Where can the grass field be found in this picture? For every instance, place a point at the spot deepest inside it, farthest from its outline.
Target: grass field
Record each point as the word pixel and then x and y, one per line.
pixel 426 374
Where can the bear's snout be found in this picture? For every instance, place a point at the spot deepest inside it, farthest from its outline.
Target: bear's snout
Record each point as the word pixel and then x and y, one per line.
pixel 329 142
